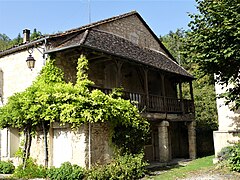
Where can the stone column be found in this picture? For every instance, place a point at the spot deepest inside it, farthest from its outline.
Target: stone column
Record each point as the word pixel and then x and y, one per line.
pixel 192 139
pixel 163 141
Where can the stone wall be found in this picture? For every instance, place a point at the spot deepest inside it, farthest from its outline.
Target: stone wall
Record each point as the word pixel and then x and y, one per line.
pixel 101 150
pixel 228 122
pixel 15 77
pixel 132 28
pixel 37 151
pixel 69 145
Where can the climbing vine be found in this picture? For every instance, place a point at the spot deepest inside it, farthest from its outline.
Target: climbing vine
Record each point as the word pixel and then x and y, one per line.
pixel 51 99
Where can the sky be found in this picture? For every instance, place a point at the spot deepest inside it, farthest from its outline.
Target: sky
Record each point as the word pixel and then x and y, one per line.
pixel 52 16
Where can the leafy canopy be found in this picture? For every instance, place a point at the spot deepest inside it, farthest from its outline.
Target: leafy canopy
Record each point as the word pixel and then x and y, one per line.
pixel 214 42
pixel 51 99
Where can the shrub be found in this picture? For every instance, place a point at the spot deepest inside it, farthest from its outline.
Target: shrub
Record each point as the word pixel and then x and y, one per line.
pixel 123 167
pixel 234 158
pixel 66 171
pixel 225 153
pixel 6 167
pixel 32 170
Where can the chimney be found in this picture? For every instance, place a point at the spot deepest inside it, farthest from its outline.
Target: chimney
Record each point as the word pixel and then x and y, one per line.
pixel 26 35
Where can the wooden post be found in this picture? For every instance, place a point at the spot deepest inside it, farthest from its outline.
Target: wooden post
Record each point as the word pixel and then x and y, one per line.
pixel 192 108
pixel 181 98
pixel 164 93
pixel 146 86
pixel 119 73
pixel 191 90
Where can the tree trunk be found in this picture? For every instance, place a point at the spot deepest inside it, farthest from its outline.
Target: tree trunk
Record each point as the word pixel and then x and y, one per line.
pixel 45 144
pixel 27 146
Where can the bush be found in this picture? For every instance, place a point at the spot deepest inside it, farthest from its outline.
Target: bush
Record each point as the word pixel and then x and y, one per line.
pixel 6 167
pixel 225 153
pixel 234 158
pixel 66 171
pixel 32 170
pixel 231 155
pixel 123 167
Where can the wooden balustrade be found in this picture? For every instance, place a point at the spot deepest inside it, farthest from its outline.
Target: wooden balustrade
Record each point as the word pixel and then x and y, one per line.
pixel 154 103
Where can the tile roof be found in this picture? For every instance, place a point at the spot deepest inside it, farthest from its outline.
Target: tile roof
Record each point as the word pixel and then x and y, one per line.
pixel 118 46
pixel 106 42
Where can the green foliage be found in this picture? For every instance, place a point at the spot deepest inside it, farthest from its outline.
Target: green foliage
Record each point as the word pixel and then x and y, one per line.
pixel 173 41
pixel 234 157
pixel 181 172
pixel 6 167
pixel 51 99
pixel 231 154
pixel 66 171
pixel 205 103
pixel 123 167
pixel 32 170
pixel 225 153
pixel 124 137
pixel 4 41
pixel 35 34
pixel 16 41
pixel 213 42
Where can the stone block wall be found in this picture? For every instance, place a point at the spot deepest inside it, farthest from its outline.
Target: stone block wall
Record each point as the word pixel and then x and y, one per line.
pixel 132 29
pixel 65 144
pixel 15 77
pixel 228 122
pixel 101 151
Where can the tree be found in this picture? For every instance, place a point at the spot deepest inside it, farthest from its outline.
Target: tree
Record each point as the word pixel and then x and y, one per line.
pixel 16 41
pixel 4 41
pixel 173 41
pixel 213 43
pixel 35 34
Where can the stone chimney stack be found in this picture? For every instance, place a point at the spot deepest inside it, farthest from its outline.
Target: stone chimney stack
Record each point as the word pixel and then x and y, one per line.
pixel 26 35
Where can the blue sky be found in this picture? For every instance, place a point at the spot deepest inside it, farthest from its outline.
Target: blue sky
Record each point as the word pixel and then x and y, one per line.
pixel 51 16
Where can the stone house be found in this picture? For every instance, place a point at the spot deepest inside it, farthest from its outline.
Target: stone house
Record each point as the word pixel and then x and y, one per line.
pixel 228 123
pixel 123 52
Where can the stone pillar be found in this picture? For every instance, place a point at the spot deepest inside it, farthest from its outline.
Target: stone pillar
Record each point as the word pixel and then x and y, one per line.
pixel 163 141
pixel 192 140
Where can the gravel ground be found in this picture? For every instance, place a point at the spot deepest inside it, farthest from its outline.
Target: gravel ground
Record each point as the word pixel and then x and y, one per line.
pixel 204 176
pixel 218 175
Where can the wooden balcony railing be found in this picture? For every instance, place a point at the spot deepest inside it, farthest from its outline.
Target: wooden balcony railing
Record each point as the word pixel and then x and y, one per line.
pixel 154 103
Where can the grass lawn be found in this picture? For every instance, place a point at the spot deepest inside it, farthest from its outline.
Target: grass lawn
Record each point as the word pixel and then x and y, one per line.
pixel 182 171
